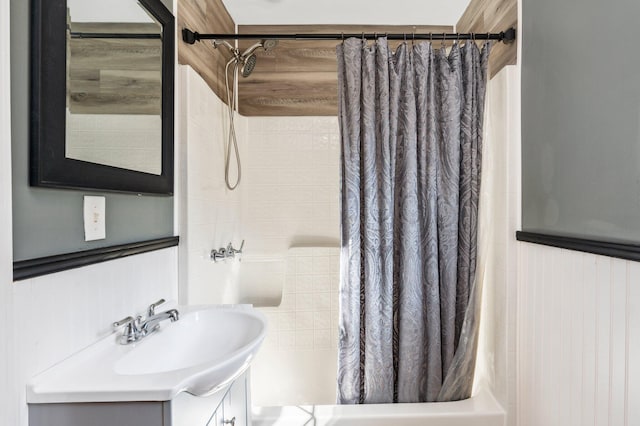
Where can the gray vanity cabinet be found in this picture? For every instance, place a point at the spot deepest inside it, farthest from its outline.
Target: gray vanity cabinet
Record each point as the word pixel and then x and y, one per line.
pixel 219 409
pixel 100 414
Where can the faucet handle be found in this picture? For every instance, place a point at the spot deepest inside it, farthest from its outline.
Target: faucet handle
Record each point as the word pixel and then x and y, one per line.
pixel 131 331
pixel 219 254
pixel 129 322
pixel 234 251
pixel 124 321
pixel 152 308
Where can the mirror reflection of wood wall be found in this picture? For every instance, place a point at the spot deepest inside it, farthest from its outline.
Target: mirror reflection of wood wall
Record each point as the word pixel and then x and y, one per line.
pixel 114 75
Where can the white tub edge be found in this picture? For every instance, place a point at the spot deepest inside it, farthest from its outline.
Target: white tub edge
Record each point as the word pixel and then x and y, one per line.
pixel 480 410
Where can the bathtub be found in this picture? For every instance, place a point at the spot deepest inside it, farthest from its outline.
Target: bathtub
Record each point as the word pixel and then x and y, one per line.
pixel 479 410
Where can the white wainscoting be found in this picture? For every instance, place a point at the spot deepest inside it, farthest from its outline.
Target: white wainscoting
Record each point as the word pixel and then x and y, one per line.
pixel 579 338
pixel 56 315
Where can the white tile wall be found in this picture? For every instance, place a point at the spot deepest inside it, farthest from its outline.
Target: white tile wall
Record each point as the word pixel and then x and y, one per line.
pixel 127 141
pixel 209 213
pixel 499 220
pixel 300 350
pixel 292 183
pixel 292 200
pixel 288 197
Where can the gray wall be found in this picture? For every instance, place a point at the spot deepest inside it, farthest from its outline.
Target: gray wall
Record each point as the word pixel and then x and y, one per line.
pixel 581 118
pixel 49 221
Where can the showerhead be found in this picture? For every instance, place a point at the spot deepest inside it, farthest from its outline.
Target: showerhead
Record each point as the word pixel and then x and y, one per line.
pixel 267 45
pixel 249 63
pixel 248 58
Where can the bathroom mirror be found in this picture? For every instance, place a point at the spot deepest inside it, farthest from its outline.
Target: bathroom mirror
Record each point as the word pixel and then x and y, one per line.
pixel 102 95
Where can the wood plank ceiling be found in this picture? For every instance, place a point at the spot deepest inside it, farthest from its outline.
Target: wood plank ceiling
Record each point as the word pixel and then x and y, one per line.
pixel 298 78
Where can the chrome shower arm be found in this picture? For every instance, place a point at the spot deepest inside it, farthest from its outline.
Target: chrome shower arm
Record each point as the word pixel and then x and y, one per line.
pixel 217 43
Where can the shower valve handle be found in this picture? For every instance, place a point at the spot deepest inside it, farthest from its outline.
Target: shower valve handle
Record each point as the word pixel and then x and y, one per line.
pixel 232 251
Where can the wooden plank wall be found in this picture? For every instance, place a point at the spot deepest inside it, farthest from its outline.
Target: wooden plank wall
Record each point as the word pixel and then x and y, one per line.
pixel 298 78
pixel 205 16
pixel 114 76
pixel 482 16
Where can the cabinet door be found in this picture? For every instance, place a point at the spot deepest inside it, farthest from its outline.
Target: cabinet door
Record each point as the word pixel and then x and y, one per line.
pixel 235 403
pixel 189 410
pixel 216 418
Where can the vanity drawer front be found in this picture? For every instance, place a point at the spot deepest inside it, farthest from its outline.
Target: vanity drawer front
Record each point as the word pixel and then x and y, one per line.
pixel 99 414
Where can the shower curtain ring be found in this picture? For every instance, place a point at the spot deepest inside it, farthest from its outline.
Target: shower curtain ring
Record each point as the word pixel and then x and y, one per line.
pixel 405 38
pixel 364 39
pixel 343 37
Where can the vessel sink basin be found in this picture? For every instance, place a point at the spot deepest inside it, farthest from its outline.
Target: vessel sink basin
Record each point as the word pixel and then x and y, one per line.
pixel 201 353
pixel 216 344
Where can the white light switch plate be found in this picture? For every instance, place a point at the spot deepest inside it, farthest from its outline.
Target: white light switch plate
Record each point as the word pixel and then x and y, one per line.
pixel 94 220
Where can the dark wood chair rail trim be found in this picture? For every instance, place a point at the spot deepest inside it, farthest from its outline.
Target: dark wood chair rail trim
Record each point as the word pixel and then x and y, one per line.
pixel 30 268
pixel 605 248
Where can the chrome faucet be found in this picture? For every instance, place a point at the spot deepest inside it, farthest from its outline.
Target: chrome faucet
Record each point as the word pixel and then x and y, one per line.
pixel 225 253
pixel 135 329
pixel 220 254
pixel 152 323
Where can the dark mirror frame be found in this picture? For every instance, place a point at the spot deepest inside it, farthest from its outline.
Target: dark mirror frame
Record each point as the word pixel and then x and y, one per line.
pixel 48 165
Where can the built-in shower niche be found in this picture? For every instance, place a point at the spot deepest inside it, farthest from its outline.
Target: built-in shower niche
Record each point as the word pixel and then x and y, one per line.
pixel 261 281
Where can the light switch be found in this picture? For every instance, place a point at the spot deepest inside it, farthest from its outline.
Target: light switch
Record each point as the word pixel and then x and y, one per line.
pixel 94 220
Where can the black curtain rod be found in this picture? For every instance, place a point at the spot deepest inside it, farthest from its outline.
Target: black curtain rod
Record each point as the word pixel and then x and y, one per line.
pixel 507 36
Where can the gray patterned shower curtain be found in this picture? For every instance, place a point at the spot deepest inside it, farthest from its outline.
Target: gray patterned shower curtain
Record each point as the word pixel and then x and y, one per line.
pixel 411 126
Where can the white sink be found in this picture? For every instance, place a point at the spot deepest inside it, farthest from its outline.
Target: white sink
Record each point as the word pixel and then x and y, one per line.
pixel 200 353
pixel 219 343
